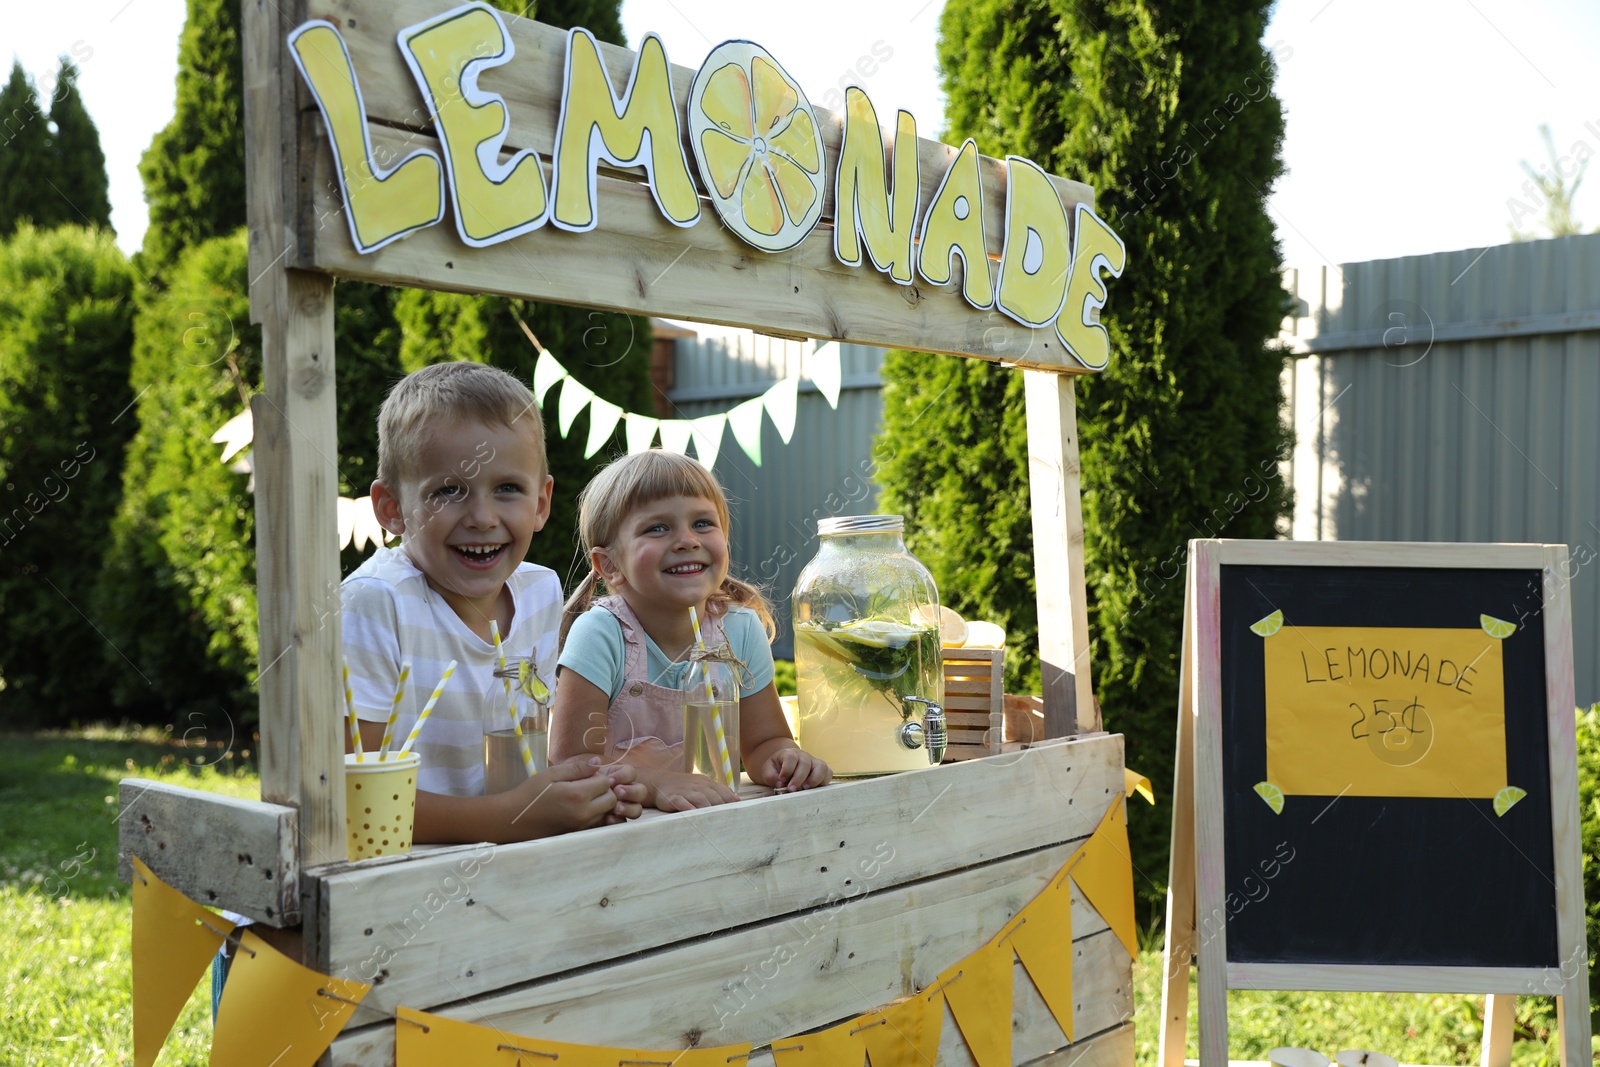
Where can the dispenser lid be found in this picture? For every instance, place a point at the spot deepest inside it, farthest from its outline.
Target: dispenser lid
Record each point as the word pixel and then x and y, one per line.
pixel 849 524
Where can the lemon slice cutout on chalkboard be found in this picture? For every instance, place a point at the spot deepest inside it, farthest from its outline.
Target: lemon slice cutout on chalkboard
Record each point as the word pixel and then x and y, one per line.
pixel 1268 626
pixel 1507 798
pixel 1271 793
pixel 1496 628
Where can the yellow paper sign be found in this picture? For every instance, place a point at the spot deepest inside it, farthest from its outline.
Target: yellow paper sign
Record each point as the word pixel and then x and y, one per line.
pixel 276 1013
pixel 1385 712
pixel 978 990
pixel 869 213
pixel 171 948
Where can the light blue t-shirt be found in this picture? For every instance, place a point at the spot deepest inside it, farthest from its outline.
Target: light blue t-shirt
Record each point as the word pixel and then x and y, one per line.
pixel 595 650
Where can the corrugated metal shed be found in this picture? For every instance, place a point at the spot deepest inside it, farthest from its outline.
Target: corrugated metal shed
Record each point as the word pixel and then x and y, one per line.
pixel 825 469
pixel 1455 397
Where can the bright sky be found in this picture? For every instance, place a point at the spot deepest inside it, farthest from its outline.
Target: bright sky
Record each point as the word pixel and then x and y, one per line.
pixel 1406 120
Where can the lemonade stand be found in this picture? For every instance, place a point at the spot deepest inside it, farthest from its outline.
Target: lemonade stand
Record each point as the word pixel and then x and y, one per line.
pixel 971 912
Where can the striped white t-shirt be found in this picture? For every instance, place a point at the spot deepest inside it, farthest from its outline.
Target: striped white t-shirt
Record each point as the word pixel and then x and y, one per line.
pixel 390 614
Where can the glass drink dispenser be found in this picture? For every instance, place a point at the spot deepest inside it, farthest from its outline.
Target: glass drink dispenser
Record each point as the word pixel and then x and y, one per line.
pixel 866 650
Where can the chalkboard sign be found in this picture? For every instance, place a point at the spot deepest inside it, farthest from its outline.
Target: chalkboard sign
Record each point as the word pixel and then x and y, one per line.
pixel 1377 779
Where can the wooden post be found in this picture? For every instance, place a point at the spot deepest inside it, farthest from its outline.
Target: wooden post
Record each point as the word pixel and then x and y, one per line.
pixel 295 457
pixel 1058 553
pixel 1180 944
pixel 1499 1017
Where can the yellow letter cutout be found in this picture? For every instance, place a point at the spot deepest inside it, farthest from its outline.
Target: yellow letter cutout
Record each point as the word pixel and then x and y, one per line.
pixel 639 128
pixel 1038 251
pixel 495 201
pixel 1095 248
pixel 953 226
pixel 382 205
pixel 864 209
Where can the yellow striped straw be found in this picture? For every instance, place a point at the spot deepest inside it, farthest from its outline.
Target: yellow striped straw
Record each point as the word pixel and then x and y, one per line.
pixel 428 709
pixel 716 716
pixel 350 709
pixel 511 703
pixel 394 710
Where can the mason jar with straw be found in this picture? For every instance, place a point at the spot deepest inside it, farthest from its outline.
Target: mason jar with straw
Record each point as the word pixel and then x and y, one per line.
pixel 515 739
pixel 710 712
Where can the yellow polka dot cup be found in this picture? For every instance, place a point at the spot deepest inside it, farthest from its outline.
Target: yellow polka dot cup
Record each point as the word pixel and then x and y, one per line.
pixel 380 804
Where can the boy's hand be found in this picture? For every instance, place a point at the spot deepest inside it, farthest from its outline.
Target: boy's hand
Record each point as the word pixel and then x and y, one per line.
pixel 790 769
pixel 569 796
pixel 630 793
pixel 680 791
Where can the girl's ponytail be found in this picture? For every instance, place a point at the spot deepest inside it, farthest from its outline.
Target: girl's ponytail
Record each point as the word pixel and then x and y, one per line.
pixel 576 605
pixel 743 594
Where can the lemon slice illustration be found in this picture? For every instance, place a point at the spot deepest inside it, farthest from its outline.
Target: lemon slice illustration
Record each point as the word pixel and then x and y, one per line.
pixel 1270 793
pixel 1497 628
pixel 758 146
pixel 1507 798
pixel 1269 625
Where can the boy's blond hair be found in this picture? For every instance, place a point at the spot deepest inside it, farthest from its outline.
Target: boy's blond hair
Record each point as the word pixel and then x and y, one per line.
pixel 640 479
pixel 447 392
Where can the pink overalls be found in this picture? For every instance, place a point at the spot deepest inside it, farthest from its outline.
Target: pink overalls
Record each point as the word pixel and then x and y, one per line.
pixel 644 725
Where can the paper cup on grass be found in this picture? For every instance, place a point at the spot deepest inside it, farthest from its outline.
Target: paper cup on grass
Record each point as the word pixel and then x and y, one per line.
pixel 380 804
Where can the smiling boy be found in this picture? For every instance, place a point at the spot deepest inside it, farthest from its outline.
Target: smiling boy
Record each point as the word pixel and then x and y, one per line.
pixel 462 479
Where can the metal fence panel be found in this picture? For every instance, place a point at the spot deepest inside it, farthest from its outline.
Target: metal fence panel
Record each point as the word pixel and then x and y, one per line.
pixel 1454 397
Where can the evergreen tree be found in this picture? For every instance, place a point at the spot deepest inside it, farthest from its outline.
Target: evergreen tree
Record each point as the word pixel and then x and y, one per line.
pixel 194 169
pixel 24 155
pixel 1167 111
pixel 77 161
pixel 65 331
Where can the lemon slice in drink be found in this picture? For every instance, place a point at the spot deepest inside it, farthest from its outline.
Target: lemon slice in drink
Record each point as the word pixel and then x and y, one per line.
pixel 1496 628
pixel 1272 795
pixel 952 627
pixel 1269 625
pixel 1507 798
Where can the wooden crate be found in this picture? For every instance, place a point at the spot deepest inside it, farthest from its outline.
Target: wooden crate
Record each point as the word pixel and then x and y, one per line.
pixel 974 691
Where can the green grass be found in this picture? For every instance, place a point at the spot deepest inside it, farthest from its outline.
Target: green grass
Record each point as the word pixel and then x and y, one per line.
pixel 65 921
pixel 65 928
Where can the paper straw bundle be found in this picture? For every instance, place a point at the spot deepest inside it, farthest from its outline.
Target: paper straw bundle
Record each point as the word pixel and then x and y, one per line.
pixel 428 709
pixel 394 710
pixel 511 703
pixel 716 716
pixel 350 710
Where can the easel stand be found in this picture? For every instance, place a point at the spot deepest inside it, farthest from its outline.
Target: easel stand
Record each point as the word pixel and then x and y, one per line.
pixel 1318 591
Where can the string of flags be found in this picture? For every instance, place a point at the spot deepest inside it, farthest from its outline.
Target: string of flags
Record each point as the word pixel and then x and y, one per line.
pixel 359 526
pixel 276 1011
pixel 823 367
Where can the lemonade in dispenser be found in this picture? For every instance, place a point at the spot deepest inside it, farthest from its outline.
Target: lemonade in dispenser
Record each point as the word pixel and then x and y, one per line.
pixel 867 651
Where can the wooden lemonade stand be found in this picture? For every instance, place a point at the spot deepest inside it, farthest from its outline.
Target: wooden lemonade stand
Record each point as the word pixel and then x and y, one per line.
pixel 772 917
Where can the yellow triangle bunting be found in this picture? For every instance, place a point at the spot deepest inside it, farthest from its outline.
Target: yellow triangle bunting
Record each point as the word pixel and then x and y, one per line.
pixel 1042 938
pixel 1105 875
pixel 978 990
pixel 424 1040
pixel 904 1034
pixel 833 1047
pixel 173 940
pixel 276 1012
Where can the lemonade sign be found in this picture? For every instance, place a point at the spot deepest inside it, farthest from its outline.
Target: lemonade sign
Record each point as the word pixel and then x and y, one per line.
pixel 757 149
pixel 1385 711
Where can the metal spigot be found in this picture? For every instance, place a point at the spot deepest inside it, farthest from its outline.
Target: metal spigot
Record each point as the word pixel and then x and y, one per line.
pixel 929 733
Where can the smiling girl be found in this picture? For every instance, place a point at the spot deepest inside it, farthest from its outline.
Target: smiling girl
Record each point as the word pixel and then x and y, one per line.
pixel 655 525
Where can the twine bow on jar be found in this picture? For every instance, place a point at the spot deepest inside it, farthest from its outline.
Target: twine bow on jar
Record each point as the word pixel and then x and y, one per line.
pixel 722 653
